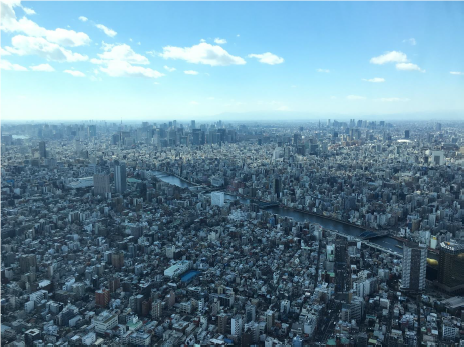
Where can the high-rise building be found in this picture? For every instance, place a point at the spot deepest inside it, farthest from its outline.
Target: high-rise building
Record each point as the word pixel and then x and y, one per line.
pixel 451 267
pixel 270 320
pixel 236 325
pixel 414 266
pixel 192 124
pixel 101 184
pixel 157 309
pixel 42 149
pixel 102 297
pixel 276 186
pixel 406 134
pixel 92 130
pixel 114 284
pixel 250 310
pixel 217 199
pixel 120 177
pixel 222 323
pixel 341 266
pixel 117 260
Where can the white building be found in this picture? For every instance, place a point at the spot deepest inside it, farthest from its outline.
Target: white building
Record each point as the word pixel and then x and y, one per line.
pixel 89 339
pixel 437 158
pixel 170 250
pixel 217 199
pixel 105 321
pixel 285 306
pixel 236 325
pixel 177 269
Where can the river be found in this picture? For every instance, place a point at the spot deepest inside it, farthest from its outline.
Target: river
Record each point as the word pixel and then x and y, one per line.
pixel 386 242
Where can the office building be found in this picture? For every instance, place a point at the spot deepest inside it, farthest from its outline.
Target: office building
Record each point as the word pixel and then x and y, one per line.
pixel 414 266
pixel 217 199
pixel 102 297
pixel 270 320
pixel 120 177
pixel 42 149
pixel 451 267
pixel 101 184
pixel 222 323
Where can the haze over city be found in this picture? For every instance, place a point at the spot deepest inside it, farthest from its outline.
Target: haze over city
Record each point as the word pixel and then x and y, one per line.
pixel 277 174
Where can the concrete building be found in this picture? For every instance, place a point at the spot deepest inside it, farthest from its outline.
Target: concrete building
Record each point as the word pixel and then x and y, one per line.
pixel 414 266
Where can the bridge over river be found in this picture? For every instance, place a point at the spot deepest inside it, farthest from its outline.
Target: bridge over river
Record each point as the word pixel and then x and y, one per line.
pixel 381 239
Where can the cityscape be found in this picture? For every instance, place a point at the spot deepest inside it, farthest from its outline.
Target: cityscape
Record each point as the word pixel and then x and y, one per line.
pixel 276 234
pixel 236 173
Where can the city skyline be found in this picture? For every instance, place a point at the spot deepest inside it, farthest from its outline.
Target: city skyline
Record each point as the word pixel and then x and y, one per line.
pixel 238 60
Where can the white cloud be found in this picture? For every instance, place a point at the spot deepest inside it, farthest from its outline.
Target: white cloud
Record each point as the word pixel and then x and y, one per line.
pixel 355 97
pixel 122 52
pixel 374 80
pixel 63 37
pixel 408 67
pixel 4 52
pixel 118 68
pixel 194 103
pixel 152 53
pixel 42 67
pixel 170 69
pixel 191 72
pixel 118 60
pixel 411 41
pixel 267 58
pixel 202 53
pixel 456 73
pixel 323 70
pixel 392 99
pixel 28 11
pixel 83 19
pixel 106 30
pixel 220 41
pixel 6 65
pixel 390 57
pixel 75 73
pixel 238 35
pixel 202 40
pixel 26 45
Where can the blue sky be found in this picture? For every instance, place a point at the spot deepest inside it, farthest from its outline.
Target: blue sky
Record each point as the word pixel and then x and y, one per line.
pixel 107 60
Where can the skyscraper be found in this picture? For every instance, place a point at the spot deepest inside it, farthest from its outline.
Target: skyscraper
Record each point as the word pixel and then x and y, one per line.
pixel 120 177
pixel 341 266
pixel 406 134
pixel 451 267
pixel 92 130
pixel 101 184
pixel 276 186
pixel 42 149
pixel 414 266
